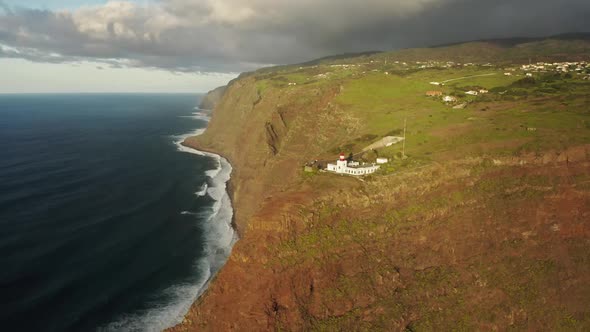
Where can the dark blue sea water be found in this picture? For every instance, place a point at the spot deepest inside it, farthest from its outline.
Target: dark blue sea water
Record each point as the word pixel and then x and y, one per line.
pixel 104 222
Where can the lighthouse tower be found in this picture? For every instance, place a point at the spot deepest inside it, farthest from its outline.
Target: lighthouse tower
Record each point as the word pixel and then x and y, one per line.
pixel 341 164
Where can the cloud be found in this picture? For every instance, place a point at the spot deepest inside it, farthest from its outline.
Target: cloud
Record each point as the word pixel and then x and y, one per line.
pixel 5 8
pixel 238 35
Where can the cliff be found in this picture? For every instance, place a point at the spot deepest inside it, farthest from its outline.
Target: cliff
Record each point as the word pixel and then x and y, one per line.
pixel 482 227
pixel 212 98
pixel 268 135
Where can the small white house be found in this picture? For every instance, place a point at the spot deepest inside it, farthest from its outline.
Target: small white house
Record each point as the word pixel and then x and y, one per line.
pixel 483 91
pixel 342 166
pixel 449 99
pixel 472 93
pixel 435 83
pixel 507 74
pixel 529 75
pixel 382 161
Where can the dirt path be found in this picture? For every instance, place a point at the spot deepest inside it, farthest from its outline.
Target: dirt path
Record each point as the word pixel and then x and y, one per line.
pixel 464 77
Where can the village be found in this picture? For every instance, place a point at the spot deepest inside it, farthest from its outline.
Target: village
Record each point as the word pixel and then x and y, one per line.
pixel 527 71
pixel 465 84
pixel 580 69
pixel 387 67
pixel 561 67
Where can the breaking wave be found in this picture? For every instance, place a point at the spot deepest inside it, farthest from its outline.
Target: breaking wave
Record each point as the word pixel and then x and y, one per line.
pixel 203 190
pixel 219 240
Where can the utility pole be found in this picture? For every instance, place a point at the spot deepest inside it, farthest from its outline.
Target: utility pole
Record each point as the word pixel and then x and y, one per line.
pixel 404 142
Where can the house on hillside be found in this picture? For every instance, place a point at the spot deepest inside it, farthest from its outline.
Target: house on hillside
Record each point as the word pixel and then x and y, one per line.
pixel 449 99
pixel 435 83
pixel 507 74
pixel 472 93
pixel 345 167
pixel 483 91
pixel 434 93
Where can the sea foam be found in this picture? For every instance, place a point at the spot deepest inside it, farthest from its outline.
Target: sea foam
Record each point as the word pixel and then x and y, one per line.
pixel 220 238
pixel 203 190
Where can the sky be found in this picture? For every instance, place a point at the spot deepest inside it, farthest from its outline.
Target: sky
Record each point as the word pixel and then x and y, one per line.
pixel 55 4
pixel 196 45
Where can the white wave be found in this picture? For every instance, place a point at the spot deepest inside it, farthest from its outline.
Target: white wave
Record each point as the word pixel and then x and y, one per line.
pixel 220 234
pixel 219 240
pixel 178 139
pixel 164 316
pixel 212 173
pixel 197 116
pixel 203 190
pixel 203 110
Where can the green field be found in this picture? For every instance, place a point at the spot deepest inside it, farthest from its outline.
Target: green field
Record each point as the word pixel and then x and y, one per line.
pixel 518 115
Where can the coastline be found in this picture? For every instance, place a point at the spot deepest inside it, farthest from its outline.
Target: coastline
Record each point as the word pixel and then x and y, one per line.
pixel 229 183
pixel 220 237
pixel 220 189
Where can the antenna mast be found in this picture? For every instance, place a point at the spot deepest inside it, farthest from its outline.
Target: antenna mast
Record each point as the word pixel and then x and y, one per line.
pixel 404 142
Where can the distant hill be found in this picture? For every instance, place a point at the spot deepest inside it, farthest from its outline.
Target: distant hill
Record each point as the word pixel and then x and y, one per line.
pixel 212 98
pixel 508 50
pixel 511 42
pixel 340 57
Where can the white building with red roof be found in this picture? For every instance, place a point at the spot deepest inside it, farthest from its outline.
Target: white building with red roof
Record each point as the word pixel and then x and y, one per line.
pixel 342 166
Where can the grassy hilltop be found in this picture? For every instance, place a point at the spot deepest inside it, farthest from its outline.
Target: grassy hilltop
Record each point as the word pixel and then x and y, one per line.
pixel 383 89
pixel 484 226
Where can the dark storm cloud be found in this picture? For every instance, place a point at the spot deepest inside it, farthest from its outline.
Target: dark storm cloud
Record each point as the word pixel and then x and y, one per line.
pixel 236 35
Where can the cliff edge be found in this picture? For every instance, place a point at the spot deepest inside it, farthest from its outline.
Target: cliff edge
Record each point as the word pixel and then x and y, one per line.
pixel 212 98
pixel 478 222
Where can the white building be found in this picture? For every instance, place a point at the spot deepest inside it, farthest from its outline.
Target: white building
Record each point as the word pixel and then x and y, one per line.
pixel 449 99
pixel 473 93
pixel 342 166
pixel 382 161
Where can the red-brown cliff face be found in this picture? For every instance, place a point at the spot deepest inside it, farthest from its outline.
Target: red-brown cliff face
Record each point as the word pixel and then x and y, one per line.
pixel 473 238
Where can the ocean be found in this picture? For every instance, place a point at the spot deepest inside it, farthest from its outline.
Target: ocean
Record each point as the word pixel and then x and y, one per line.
pixel 106 221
